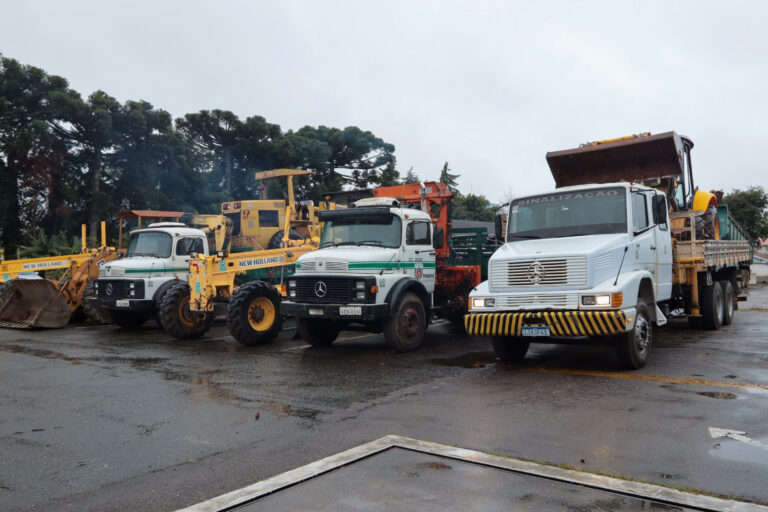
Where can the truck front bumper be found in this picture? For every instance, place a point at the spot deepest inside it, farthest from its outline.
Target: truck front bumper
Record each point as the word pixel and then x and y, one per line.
pixel 560 323
pixel 368 312
pixel 137 305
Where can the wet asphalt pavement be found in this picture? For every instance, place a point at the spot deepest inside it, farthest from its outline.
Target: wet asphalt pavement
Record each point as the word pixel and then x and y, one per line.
pixel 97 418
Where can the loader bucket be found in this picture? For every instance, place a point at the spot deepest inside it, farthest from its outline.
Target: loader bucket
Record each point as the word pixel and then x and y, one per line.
pixel 633 159
pixel 32 303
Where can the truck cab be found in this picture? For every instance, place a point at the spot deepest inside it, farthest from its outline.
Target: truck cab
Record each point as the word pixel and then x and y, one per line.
pixel 375 266
pixel 157 258
pixel 589 260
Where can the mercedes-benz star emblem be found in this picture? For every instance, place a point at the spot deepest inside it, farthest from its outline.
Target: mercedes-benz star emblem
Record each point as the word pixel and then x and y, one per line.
pixel 535 272
pixel 321 289
pixel 109 289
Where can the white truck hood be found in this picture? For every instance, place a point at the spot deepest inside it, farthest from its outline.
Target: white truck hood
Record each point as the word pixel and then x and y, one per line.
pixel 358 259
pixel 137 267
pixel 574 245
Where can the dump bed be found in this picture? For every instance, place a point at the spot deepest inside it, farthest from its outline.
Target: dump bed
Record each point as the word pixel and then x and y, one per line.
pixel 636 158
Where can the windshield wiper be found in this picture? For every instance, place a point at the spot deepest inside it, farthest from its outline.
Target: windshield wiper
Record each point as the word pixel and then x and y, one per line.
pixel 374 242
pixel 530 237
pixel 336 244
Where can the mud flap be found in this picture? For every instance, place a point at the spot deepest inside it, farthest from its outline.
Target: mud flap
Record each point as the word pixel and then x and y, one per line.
pixel 33 303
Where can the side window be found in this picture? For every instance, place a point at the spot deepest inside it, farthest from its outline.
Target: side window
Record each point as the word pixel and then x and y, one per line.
pixel 639 212
pixel 417 233
pixel 187 246
pixel 268 219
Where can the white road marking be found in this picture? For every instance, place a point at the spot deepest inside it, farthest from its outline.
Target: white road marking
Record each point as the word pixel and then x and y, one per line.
pixel 737 435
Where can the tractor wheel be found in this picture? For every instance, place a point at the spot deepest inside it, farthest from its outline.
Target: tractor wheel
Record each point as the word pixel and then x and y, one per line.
pixel 176 317
pixel 729 307
pixel 318 332
pixel 405 330
pixel 94 314
pixel 510 349
pixel 129 319
pixel 276 242
pixel 253 316
pixel 708 225
pixel 712 306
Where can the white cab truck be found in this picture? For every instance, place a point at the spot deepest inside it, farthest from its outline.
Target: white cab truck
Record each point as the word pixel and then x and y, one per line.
pixel 157 258
pixel 375 266
pixel 609 260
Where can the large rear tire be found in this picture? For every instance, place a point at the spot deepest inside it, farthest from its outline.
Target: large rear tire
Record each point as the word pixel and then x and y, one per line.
pixel 253 316
pixel 729 306
pixel 129 319
pixel 177 319
pixel 318 332
pixel 276 241
pixel 510 349
pixel 633 346
pixel 405 330
pixel 712 306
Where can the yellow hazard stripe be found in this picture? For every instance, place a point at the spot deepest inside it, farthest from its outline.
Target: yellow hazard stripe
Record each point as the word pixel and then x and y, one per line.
pixel 560 323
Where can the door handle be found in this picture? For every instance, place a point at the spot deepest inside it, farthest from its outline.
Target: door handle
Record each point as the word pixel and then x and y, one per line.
pixel 653 247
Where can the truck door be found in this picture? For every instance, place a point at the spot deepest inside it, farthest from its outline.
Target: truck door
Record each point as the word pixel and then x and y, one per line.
pixel 644 243
pixel 663 247
pixel 184 247
pixel 419 253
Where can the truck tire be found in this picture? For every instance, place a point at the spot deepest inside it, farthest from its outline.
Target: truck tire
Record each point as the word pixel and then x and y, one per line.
pixel 405 330
pixel 253 316
pixel 729 307
pixel 276 241
pixel 707 225
pixel 318 332
pixel 712 306
pixel 633 346
pixel 510 349
pixel 95 315
pixel 130 319
pixel 177 319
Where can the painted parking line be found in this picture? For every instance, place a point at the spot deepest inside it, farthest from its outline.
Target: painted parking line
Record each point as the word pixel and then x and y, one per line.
pixel 653 378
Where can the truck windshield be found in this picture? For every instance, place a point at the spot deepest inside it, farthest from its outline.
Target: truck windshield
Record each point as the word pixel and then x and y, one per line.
pixel 148 243
pixel 380 230
pixel 585 212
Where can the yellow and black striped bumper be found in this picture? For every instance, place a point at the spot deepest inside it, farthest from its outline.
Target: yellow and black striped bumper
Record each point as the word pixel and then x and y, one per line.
pixel 560 323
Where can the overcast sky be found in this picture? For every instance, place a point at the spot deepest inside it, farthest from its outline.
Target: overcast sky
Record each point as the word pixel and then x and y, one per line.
pixel 489 87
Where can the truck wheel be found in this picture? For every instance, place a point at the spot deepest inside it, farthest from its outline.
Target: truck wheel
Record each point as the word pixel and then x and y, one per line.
pixel 253 316
pixel 276 241
pixel 633 346
pixel 712 306
pixel 177 319
pixel 317 332
pixel 405 330
pixel 129 319
pixel 94 314
pixel 728 306
pixel 510 349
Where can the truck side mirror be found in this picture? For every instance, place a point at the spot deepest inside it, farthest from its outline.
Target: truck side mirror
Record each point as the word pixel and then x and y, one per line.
pixel 437 238
pixel 659 209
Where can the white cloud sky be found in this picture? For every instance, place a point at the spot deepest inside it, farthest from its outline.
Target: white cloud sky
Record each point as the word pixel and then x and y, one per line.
pixel 489 87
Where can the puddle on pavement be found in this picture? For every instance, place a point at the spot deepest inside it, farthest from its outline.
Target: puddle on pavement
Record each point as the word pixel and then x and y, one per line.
pixel 470 360
pixel 717 394
pixel 733 450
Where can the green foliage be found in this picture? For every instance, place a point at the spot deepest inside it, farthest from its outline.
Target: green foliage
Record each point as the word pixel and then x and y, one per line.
pixel 750 208
pixel 411 177
pixel 473 207
pixel 39 244
pixel 449 179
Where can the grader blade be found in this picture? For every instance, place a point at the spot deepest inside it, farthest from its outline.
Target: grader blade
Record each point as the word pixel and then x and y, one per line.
pixel 34 303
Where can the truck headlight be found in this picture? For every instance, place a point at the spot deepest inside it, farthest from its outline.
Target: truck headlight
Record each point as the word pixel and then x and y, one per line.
pixel 132 285
pixel 484 302
pixel 291 293
pixel 603 299
pixel 360 285
pixel 360 295
pixel 292 284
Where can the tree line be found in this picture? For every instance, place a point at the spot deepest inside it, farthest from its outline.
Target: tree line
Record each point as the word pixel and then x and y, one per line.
pixel 66 159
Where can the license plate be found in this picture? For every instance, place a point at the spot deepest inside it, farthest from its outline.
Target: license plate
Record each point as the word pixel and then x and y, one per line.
pixel 123 303
pixel 535 331
pixel 350 310
pixel 316 312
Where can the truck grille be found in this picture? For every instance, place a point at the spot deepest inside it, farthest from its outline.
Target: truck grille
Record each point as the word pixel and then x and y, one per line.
pixel 563 271
pixel 338 290
pixel 538 301
pixel 119 288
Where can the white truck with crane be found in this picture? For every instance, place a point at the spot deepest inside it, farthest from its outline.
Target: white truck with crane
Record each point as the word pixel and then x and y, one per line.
pixel 625 242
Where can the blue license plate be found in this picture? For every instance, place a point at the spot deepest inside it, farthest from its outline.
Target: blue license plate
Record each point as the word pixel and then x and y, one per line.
pixel 535 331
